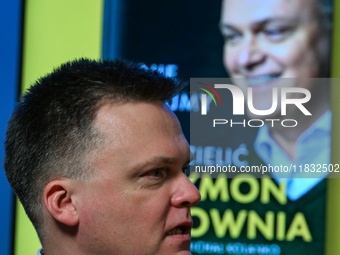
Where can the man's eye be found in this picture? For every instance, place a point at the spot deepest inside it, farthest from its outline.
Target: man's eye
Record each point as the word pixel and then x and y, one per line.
pixel 231 38
pixel 157 173
pixel 277 34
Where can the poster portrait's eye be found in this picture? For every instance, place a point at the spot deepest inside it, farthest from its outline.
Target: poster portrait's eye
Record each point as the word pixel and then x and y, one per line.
pixel 277 33
pixel 231 37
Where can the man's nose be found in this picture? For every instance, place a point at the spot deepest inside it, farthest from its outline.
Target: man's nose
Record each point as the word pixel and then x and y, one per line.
pixel 185 194
pixel 250 53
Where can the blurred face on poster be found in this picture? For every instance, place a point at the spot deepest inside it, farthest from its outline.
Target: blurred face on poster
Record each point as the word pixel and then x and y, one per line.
pixel 270 39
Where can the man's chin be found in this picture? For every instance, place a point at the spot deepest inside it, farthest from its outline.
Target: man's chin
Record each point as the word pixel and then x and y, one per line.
pixel 173 245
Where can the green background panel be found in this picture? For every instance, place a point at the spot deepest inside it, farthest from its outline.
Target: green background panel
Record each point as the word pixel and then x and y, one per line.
pixel 333 193
pixel 54 32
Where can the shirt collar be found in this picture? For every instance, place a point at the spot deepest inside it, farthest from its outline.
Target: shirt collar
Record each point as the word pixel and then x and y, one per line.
pixel 312 147
pixel 264 143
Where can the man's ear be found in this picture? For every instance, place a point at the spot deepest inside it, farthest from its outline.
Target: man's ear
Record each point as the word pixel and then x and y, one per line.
pixel 59 201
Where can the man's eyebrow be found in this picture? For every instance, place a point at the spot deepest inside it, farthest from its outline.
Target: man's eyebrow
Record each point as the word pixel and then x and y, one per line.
pixel 222 26
pixel 274 19
pixel 159 159
pixel 163 160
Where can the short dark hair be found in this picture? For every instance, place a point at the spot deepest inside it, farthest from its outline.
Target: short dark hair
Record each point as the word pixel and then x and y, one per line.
pixel 51 131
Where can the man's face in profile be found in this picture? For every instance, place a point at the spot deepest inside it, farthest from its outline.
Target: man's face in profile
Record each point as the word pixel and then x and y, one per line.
pixel 270 39
pixel 139 199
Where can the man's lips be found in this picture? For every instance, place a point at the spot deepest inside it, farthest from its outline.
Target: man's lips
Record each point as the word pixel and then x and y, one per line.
pixel 182 228
pixel 260 80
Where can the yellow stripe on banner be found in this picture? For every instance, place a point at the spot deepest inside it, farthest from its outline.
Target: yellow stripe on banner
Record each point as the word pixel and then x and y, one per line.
pixel 333 186
pixel 54 32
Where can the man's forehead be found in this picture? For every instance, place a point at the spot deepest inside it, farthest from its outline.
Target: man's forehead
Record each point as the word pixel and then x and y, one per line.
pixel 240 11
pixel 147 132
pixel 124 117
